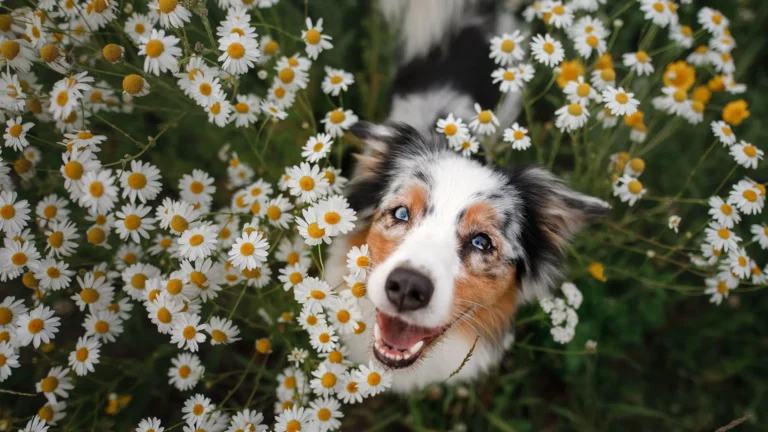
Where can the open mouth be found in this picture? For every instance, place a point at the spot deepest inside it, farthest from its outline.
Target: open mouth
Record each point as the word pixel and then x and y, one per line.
pixel 398 344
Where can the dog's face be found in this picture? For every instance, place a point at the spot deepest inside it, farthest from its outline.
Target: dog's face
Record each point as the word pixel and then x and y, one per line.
pixel 454 240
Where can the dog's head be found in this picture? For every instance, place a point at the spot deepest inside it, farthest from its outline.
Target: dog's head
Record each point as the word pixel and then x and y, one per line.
pixel 454 240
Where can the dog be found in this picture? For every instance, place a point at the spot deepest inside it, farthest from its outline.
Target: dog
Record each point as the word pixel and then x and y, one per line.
pixel 456 243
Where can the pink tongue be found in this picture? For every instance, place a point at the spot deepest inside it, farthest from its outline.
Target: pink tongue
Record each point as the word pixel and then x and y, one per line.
pixel 399 334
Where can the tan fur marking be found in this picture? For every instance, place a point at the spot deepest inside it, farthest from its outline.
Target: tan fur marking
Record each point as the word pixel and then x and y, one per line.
pixel 494 301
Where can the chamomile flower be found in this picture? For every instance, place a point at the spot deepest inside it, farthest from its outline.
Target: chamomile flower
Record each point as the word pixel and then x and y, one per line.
pixel 205 89
pixel 36 424
pixel 723 213
pixel 485 123
pixel 310 230
pixel 509 79
pixel 161 52
pixel 222 331
pixel 205 275
pixel 135 278
pixel 317 147
pixel 219 110
pixel 16 54
pixel 639 62
pixel 10 311
pixel 336 81
pixel 721 238
pixel 454 129
pixel 198 242
pixel 359 260
pixel 373 379
pixel 150 425
pixel 239 53
pixel 349 389
pixel 292 275
pixel 197 187
pixel 187 332
pixel 326 379
pixel 560 15
pixel 186 371
pixel 196 409
pixel 257 277
pixel 164 311
pixel 104 325
pixel 760 235
pixel 270 108
pixel 747 197
pixel 314 39
pixel 293 419
pixel 14 257
pixel 602 79
pixel 628 189
pixel 657 12
pixel 247 420
pixel 719 288
pixel 297 356
pixel 518 136
pixel 98 191
pixel 171 13
pixel 336 181
pixel 177 216
pixel 712 20
pixel 507 48
pixel 132 221
pixel 547 50
pixel 249 251
pixel 245 110
pixel 579 91
pixel 345 314
pixel 37 326
pixel 315 293
pixel 307 182
pixel 674 222
pixel 326 413
pixel 14 214
pixel 292 252
pixel 723 133
pixel 746 154
pixel 15 135
pixel 278 212
pixel 56 383
pixel 9 358
pixel 95 293
pixel 338 121
pixel 620 102
pixel 335 216
pixel 571 117
pixel 137 26
pixel 51 208
pixel 85 355
pixel 682 35
pixel 739 263
pixel 53 275
pixel 309 318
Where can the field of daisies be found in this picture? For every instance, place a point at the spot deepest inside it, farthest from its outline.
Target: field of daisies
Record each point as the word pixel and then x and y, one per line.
pixel 172 176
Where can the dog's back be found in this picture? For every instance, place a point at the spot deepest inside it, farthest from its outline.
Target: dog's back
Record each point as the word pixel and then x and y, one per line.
pixel 443 64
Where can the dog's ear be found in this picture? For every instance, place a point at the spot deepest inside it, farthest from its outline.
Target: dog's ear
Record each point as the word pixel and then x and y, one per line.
pixel 553 214
pixel 377 140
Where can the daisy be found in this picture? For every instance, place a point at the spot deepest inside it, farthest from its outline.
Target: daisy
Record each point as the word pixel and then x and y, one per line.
pixel 98 192
pixel 657 12
pixel 315 293
pixel 56 383
pixel 164 311
pixel 196 409
pixel 760 235
pixel 723 133
pixel 317 147
pixel 127 255
pixel 292 252
pixel 349 389
pixel 292 275
pixel 359 260
pixel 712 20
pixel 336 181
pixel 571 117
pixel 186 371
pixel 270 108
pixel 205 275
pixel 337 121
pixel 16 133
pixel 52 208
pixel 336 81
pixel 245 110
pixel 219 110
pixel 14 257
pixel 518 136
pixel 13 213
pixel 150 425
pixel 739 263
pixel 277 211
pixel 85 355
pixel 53 275
pixel 257 277
pixel 104 325
pixel 137 26
pixel 10 311
pixel 293 419
pixel 222 331
pixel 334 215
pixel 171 14
pixel 674 223
pixel 326 413
pixel 620 103
pixel 603 78
pixel 579 91
pixel 759 277
pixel 682 35
pixel 16 54
pixel 38 325
pixel 723 213
pixel 510 81
pixel 373 379
pixel 9 358
pixel 310 230
pixel 356 284
pixel 35 425
pixel 205 89
pixel 746 154
pixel 307 182
pixel 454 129
pixel 561 16
pixel 721 238
pixel 297 356
pixel 247 420
pixel 239 53
pixel 160 51
pixel 326 379
pixel 314 39
pixel 628 189
pixel 77 163
pixel 132 221
pixel 639 62
pixel 547 50
pixel 187 332
pixel 507 48
pixel 309 318
pixel 95 293
pixel 345 315
pixel 249 251
pixel 197 187
pixel 198 242
pixel 723 62
pixel 747 197
pixel 135 279
pixel 718 288
pixel 485 122
pixel 177 216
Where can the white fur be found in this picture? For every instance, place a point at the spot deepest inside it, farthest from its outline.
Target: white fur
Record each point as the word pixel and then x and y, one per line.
pixel 419 109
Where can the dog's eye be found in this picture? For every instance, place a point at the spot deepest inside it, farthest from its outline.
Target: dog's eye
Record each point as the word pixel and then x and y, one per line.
pixel 401 213
pixel 482 242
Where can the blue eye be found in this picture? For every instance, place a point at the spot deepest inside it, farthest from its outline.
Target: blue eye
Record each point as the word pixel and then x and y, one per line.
pixel 482 242
pixel 401 213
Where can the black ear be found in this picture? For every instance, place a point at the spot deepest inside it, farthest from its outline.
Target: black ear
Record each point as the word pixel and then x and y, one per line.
pixel 553 213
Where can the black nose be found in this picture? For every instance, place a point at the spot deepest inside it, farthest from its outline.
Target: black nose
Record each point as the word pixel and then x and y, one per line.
pixel 408 289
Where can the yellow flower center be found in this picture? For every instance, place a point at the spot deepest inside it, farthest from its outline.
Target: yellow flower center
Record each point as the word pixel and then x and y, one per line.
pixel 332 218
pixel 10 49
pixel 343 316
pixel 324 414
pixel 750 150
pixel 286 75
pixel 271 47
pixel 292 258
pixel 642 56
pixel 184 371
pixel 352 387
pixel 81 355
pixel 312 37
pixel 189 332
pixel 89 295
pixel 205 89
pixel 317 294
pixel 49 384
pixel 247 249
pixel 45 413
pixel 680 96
pixel 154 48
pixel 16 130
pixel 73 170
pixel 307 183
pixel 726 209
pixel 139 28
pixel 219 336
pixel 548 48
pixel 101 327
pixel 274 212
pixel 450 129
pixel 50 211
pixel 236 50
pixel 6 315
pixel 179 224
pixel 132 222
pixel 132 84
pixel 328 380
pixel 360 327
pixel 518 135
pixel 241 107
pixel 750 195
pixel 96 189
pixel 199 279
pixel 742 261
pixel 216 108
pixel 198 410
pixel 583 90
pixel 315 231
pixel 35 325
pixel 293 425
pixel 622 98
pixel 722 287
pixel 359 290
pixel 289 382
pixel 507 46
pixel 53 273
pixel 608 75
pixel 593 41
pixel 196 240
pixel 724 233
pixel 484 117
pixel 336 79
pixel 311 320
pixel 56 240
pixel 7 211
pixel 374 379
pixel 263 346
pixel 337 116
pixel 139 281
pixel 129 258
pixel 635 187
pixel 575 109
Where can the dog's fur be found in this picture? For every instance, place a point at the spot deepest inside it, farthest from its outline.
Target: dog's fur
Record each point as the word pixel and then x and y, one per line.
pixel 528 214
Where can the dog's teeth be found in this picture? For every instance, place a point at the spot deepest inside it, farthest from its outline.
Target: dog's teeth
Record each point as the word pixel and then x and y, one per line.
pixel 416 347
pixel 376 332
pixel 398 357
pixel 406 356
pixel 377 345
